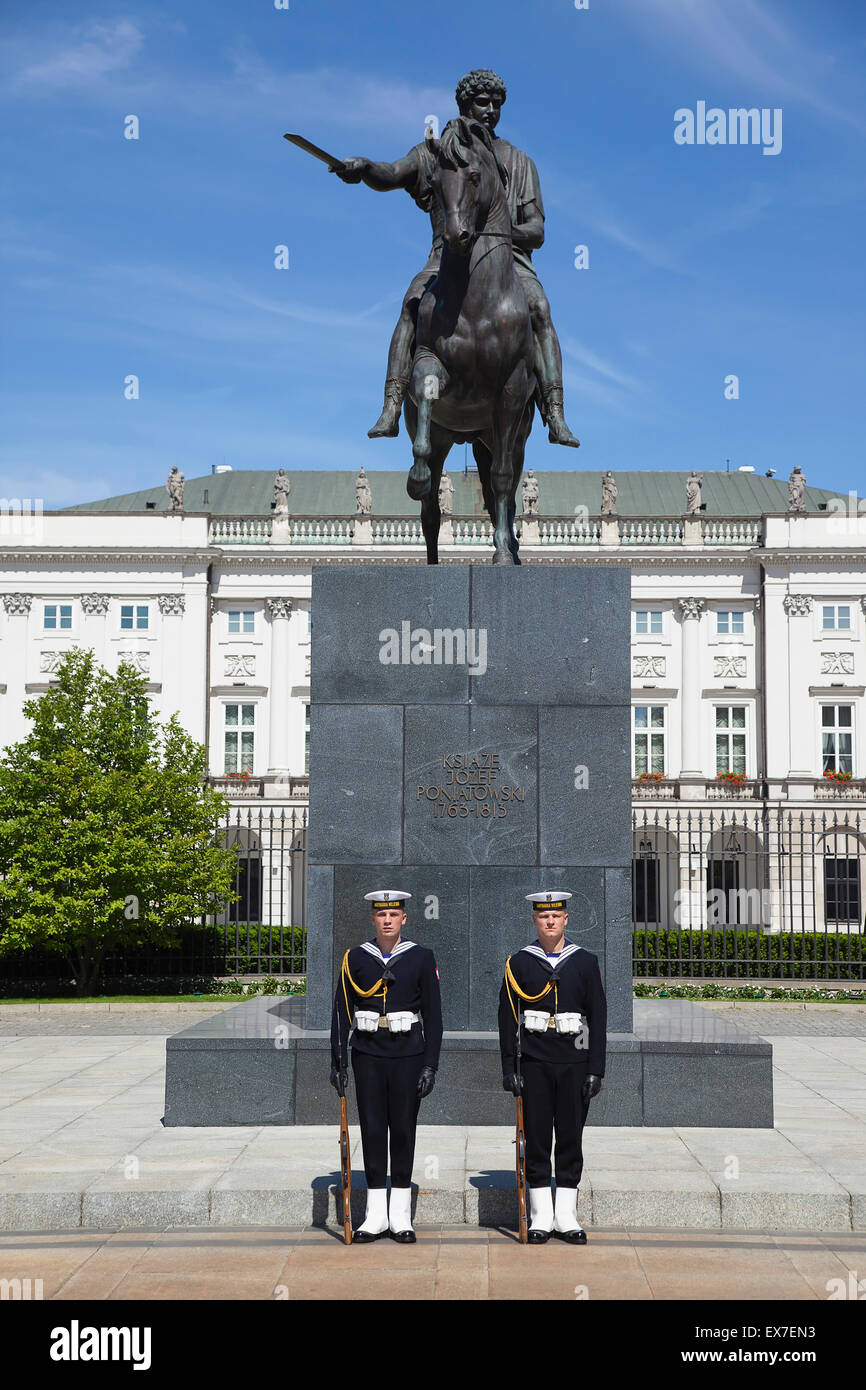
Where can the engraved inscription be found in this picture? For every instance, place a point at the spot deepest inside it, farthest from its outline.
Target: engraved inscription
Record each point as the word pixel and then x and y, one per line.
pixel 470 786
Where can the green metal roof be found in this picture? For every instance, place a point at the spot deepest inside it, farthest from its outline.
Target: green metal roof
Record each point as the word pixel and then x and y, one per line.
pixel 331 492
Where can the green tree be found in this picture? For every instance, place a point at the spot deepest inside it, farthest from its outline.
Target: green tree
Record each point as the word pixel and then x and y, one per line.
pixel 107 824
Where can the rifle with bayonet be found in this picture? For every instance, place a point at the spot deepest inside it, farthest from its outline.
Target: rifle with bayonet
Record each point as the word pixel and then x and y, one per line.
pixel 345 1161
pixel 345 1171
pixel 520 1145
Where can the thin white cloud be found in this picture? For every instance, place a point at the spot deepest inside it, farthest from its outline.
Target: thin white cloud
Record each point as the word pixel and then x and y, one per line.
pixel 365 101
pixel 590 377
pixel 221 295
pixel 589 210
pixel 82 55
pixel 109 62
pixel 587 358
pixel 749 40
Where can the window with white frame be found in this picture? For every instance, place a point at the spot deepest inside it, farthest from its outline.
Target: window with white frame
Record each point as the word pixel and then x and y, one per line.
pixel 648 738
pixel 242 620
pixel 836 617
pixel 730 738
pixel 57 616
pixel 730 622
pixel 648 622
pixel 240 738
pixel 837 738
pixel 134 617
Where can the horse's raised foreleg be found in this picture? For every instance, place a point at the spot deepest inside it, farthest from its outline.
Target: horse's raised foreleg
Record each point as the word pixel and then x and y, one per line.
pixel 508 444
pixel 429 379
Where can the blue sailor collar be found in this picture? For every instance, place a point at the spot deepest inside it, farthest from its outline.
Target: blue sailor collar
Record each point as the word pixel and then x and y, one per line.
pixel 373 949
pixel 568 949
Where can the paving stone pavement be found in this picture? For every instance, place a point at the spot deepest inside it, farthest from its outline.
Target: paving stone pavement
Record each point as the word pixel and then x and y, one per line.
pixel 447 1263
pixel 800 1019
pixel 107 1018
pixel 102 1019
pixel 82 1146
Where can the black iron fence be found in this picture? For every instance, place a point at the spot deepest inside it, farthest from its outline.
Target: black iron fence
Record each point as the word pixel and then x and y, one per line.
pixel 749 893
pixel 746 892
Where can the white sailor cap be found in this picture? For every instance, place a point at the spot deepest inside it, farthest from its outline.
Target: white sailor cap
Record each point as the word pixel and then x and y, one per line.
pixel 386 897
pixel 554 901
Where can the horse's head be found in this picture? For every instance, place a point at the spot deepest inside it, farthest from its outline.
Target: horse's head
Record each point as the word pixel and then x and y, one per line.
pixel 467 181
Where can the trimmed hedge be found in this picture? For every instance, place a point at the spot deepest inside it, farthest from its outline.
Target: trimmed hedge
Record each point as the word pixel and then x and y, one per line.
pixel 199 953
pixel 728 953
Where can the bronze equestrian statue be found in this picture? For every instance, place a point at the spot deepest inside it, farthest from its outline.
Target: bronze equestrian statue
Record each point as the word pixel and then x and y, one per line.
pixel 474 347
pixel 480 96
pixel 472 370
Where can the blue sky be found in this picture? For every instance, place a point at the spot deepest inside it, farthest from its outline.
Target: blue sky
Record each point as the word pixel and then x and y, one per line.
pixel 155 257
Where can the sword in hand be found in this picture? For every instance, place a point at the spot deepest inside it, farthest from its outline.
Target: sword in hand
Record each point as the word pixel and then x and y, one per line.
pixel 349 170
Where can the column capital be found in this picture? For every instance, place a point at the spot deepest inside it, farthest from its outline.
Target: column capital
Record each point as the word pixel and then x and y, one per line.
pixel 95 604
pixel 691 607
pixel 279 607
pixel 17 605
pixel 171 605
pixel 797 605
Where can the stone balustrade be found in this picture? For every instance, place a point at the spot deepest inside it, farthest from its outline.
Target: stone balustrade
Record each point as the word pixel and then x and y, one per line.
pixel 551 531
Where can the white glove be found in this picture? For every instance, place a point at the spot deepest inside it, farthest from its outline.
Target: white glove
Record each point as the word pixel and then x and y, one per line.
pixel 568 1023
pixel 400 1022
pixel 366 1021
pixel 535 1021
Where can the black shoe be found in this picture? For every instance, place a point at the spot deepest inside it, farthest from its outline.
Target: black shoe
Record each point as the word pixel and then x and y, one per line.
pixel 365 1237
pixel 572 1237
pixel 403 1237
pixel 538 1237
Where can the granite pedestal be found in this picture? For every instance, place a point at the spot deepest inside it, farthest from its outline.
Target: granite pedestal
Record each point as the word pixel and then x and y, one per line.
pixel 469 743
pixel 257 1064
pixel 470 731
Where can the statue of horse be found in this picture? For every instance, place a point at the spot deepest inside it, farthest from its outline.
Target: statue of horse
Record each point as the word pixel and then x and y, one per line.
pixel 472 374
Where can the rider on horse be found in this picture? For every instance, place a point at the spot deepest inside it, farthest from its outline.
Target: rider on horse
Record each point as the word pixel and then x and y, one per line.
pixel 480 95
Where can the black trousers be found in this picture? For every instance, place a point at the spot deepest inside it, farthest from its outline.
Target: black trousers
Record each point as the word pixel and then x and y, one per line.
pixel 552 1100
pixel 387 1093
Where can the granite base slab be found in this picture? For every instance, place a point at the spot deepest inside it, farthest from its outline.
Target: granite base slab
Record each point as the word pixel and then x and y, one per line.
pixel 258 1064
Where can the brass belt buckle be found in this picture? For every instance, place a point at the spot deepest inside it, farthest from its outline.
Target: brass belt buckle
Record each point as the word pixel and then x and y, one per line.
pixel 383 1021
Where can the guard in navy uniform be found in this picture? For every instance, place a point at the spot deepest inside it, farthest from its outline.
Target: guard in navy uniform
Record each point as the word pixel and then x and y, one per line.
pixel 388 998
pixel 554 989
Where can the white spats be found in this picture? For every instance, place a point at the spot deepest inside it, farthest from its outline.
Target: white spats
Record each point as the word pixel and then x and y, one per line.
pixel 401 1209
pixel 566 1210
pixel 540 1209
pixel 376 1219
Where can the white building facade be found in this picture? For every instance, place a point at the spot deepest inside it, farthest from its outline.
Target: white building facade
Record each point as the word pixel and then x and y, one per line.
pixel 748 657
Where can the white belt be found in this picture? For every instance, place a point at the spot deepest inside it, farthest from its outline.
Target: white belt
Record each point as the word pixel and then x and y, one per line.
pixel 367 1021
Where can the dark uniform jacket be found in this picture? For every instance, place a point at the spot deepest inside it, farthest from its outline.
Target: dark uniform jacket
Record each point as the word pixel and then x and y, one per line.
pixel 413 989
pixel 579 991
